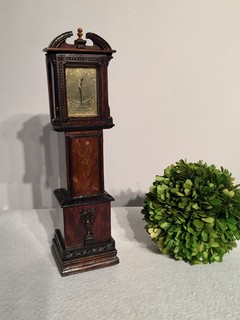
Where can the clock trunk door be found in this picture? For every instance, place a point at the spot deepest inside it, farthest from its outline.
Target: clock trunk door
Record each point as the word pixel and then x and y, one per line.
pixel 85 168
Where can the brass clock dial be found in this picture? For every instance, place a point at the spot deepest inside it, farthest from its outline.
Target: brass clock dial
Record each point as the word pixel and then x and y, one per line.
pixel 81 87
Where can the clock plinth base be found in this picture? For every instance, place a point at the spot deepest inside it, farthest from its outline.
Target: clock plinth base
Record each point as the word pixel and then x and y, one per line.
pixel 72 261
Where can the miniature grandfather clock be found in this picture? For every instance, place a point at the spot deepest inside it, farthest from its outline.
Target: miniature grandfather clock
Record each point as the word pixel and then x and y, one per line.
pixel 78 94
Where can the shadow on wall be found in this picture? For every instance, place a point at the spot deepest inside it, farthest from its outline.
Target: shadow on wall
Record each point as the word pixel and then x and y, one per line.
pixel 41 160
pixel 29 169
pixel 128 198
pixel 30 161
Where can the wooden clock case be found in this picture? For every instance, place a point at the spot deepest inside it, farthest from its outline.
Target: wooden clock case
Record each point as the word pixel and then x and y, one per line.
pixel 82 239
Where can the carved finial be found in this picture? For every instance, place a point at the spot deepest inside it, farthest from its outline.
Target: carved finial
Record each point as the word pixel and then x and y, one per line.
pixel 79 33
pixel 80 43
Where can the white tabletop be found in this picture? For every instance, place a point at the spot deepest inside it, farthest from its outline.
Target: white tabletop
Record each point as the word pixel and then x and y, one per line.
pixel 145 285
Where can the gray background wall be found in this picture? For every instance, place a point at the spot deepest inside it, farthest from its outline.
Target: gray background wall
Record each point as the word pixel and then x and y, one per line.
pixel 173 85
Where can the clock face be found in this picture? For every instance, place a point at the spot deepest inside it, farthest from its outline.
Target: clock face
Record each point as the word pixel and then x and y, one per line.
pixel 81 86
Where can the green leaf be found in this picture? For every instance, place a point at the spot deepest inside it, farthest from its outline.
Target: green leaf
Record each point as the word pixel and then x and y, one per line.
pixel 205 190
pixel 182 204
pixel 223 238
pixel 161 189
pixel 190 230
pixel 154 232
pixel 228 193
pixel 215 202
pixel 198 223
pixel 170 244
pixel 159 178
pixel 176 250
pixel 194 194
pixel 178 235
pixel 213 235
pixel 194 244
pixel 231 193
pixel 204 236
pixel 225 191
pixel 208 220
pixel 195 262
pixel 195 206
pixel 232 226
pixel 180 194
pixel 199 256
pixel 152 189
pixel 214 244
pixel 181 219
pixel 188 184
pixel 188 243
pixel 216 256
pixel 201 247
pixel 205 254
pixel 222 224
pixel 231 221
pixel 187 253
pixel 165 250
pixel 164 225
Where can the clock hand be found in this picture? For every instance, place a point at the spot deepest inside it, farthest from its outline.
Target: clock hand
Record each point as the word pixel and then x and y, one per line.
pixel 80 90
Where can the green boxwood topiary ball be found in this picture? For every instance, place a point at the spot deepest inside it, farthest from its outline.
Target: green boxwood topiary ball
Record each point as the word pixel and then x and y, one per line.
pixel 193 212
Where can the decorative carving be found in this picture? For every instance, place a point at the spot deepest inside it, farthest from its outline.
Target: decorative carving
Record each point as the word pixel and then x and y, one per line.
pixel 64 199
pixel 60 40
pixel 79 33
pixel 61 101
pixel 80 43
pixel 89 251
pixel 87 217
pixel 81 252
pixel 105 90
pixel 102 61
pixel 98 41
pixel 59 43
